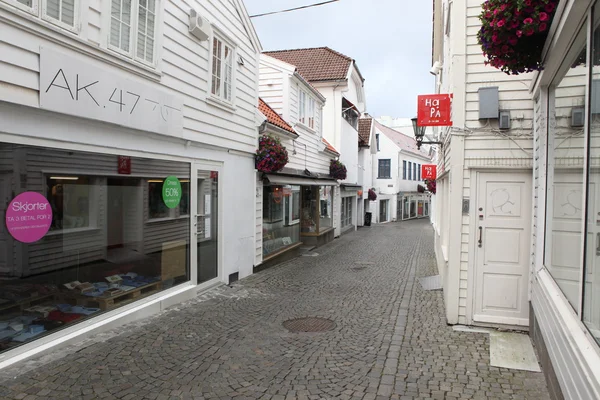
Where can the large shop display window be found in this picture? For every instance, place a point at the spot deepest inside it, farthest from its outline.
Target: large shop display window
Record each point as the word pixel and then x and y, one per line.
pixel 317 209
pixel 281 218
pixel 85 233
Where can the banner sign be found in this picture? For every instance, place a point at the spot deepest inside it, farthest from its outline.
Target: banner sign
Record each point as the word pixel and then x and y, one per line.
pixel 428 172
pixel 434 110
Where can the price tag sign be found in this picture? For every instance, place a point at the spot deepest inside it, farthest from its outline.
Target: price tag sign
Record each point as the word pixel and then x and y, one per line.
pixel 428 172
pixel 28 217
pixel 171 191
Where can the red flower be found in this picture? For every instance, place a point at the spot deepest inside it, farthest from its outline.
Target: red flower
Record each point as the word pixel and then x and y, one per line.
pixel 543 16
pixel 549 7
pixel 542 27
pixel 528 21
pixel 501 23
pixel 513 41
pixel 519 33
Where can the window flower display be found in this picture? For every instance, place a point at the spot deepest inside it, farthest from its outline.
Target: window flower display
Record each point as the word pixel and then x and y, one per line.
pixel 513 34
pixel 431 186
pixel 372 195
pixel 337 170
pixel 271 155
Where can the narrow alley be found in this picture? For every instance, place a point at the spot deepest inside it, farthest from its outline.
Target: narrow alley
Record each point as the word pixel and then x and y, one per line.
pixel 383 337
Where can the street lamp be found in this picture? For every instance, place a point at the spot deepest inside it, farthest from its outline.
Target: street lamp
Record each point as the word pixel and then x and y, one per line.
pixel 420 133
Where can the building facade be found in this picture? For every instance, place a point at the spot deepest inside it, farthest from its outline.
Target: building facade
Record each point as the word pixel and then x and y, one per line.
pixel 367 148
pixel 127 150
pixel 397 176
pixel 484 177
pixel 296 203
pixel 339 80
pixel 565 277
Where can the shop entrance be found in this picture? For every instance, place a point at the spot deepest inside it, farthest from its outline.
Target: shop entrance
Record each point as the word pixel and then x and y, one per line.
pixel 206 223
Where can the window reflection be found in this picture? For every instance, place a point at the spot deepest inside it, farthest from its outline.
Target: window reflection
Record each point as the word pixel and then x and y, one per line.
pixel 566 176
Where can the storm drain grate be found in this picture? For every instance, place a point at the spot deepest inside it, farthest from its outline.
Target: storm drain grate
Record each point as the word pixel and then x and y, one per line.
pixel 309 324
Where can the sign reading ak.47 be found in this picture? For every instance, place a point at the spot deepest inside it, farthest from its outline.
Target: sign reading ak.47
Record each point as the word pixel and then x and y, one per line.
pixel 434 110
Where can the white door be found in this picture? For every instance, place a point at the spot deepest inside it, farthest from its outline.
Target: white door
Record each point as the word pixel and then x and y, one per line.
pixel 503 225
pixel 6 242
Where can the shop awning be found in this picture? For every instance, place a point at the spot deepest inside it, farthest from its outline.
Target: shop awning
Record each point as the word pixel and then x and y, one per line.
pixel 299 180
pixel 351 186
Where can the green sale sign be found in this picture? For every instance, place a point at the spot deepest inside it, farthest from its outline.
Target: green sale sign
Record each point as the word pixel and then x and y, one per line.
pixel 171 191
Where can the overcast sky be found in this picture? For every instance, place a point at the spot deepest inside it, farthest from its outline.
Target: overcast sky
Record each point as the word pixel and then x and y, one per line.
pixel 389 39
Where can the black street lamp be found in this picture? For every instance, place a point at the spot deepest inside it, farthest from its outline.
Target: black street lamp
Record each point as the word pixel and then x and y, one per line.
pixel 420 134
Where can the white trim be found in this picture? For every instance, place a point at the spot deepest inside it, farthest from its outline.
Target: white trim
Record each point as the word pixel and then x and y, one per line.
pixel 76 16
pixel 33 10
pixel 225 41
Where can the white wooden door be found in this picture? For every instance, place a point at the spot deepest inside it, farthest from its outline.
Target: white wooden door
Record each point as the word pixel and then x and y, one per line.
pixel 503 225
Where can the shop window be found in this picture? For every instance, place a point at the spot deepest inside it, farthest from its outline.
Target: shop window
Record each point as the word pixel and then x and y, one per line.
pixel 96 253
pixel 591 289
pixel 405 207
pixel 346 215
pixel 72 200
pixel 281 217
pixel 565 200
pixel 317 209
pixel 383 210
pixel 404 169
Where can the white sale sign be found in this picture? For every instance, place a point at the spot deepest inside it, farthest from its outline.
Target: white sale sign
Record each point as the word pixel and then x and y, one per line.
pixel 69 85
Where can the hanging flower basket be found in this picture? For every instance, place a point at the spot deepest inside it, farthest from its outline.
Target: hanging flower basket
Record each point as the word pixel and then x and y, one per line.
pixel 431 186
pixel 337 170
pixel 372 195
pixel 271 155
pixel 420 189
pixel 513 33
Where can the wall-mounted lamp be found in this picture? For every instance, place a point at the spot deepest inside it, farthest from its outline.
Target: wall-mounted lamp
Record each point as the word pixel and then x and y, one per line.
pixel 420 133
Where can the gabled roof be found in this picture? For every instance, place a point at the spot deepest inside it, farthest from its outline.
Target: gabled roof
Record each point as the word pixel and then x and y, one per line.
pixel 364 131
pixel 330 148
pixel 316 64
pixel 274 118
pixel 406 143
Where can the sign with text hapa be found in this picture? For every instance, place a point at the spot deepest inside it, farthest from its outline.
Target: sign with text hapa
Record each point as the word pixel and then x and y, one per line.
pixel 434 110
pixel 428 172
pixel 69 85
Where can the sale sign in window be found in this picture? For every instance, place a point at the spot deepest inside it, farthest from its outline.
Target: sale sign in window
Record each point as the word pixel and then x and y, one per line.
pixel 171 191
pixel 434 110
pixel 28 217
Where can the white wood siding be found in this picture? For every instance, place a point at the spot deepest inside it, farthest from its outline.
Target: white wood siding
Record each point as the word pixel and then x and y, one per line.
pixel 271 81
pixel 183 65
pixel 258 250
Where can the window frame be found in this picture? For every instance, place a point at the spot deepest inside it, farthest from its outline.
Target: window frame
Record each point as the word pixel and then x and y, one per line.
pixel 225 41
pixel 132 53
pixel 404 169
pixel 33 10
pixel 52 20
pixel 307 107
pixel 389 168
pixel 410 171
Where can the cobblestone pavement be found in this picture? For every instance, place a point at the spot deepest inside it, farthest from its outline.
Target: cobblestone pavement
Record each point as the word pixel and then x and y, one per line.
pixel 390 338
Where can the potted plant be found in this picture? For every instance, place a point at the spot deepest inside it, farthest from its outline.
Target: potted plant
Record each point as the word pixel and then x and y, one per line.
pixel 431 186
pixel 513 33
pixel 271 155
pixel 337 170
pixel 372 195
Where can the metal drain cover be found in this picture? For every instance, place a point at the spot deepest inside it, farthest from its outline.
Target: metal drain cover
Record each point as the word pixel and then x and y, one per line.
pixel 309 324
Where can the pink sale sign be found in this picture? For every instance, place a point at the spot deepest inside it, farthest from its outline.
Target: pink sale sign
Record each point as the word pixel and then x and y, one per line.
pixel 28 217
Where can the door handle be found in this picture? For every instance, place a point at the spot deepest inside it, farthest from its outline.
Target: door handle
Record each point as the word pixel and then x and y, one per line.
pixel 480 235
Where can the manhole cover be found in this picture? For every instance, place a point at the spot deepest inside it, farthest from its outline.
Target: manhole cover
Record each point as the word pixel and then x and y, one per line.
pixel 309 324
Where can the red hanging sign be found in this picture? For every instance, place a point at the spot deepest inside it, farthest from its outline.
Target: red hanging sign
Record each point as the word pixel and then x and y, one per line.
pixel 124 165
pixel 428 172
pixel 434 110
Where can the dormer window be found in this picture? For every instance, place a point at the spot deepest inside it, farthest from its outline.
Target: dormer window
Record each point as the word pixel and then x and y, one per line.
pixel 306 109
pixel 350 113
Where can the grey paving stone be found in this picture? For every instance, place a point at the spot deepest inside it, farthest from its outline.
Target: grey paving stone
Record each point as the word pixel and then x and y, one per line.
pixel 391 340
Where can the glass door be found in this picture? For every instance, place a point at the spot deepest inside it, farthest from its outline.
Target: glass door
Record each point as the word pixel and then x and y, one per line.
pixel 207 225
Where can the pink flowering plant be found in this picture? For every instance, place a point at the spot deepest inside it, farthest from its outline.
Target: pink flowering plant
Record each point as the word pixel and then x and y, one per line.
pixel 337 170
pixel 513 33
pixel 271 155
pixel 431 186
pixel 372 195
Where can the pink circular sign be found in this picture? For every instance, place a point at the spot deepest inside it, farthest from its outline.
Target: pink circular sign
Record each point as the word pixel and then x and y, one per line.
pixel 28 217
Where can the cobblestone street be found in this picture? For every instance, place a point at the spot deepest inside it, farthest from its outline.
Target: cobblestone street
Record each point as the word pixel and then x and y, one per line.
pixel 390 339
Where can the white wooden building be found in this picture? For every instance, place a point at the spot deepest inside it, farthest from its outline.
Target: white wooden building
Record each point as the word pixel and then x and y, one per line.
pixel 397 175
pixel 337 77
pixel 484 190
pixel 295 206
pixel 99 115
